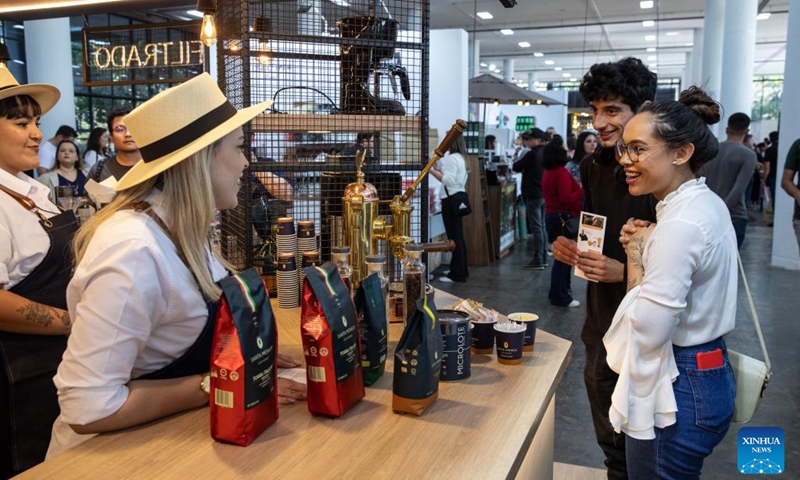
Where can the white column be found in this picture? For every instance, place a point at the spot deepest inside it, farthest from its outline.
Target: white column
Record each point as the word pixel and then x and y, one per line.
pixel 48 52
pixel 712 46
pixel 475 57
pixel 697 58
pixel 532 81
pixel 686 78
pixel 784 243
pixel 738 52
pixel 508 69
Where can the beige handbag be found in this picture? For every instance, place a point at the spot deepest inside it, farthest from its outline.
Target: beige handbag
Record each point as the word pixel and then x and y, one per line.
pixel 752 376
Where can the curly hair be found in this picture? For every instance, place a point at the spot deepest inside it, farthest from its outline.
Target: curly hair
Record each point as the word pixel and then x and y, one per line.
pixel 686 121
pixel 627 79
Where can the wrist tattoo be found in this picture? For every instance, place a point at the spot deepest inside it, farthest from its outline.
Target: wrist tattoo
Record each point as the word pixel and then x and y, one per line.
pixel 36 314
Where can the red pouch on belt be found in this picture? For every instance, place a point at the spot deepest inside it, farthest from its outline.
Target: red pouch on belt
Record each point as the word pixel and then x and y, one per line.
pixel 330 343
pixel 244 395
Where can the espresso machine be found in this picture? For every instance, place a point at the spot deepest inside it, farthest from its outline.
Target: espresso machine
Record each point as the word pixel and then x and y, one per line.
pixel 364 228
pixel 359 61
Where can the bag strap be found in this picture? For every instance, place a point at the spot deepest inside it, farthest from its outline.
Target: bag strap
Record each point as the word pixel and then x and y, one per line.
pixel 28 204
pixel 755 318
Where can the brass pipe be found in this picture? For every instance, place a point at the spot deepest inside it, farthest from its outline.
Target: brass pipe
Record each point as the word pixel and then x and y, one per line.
pixel 455 131
pixel 444 246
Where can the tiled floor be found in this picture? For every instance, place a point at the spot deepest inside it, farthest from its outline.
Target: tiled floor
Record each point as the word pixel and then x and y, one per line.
pixel 506 287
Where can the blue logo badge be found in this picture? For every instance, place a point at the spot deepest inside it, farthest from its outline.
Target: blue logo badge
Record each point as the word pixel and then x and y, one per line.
pixel 760 450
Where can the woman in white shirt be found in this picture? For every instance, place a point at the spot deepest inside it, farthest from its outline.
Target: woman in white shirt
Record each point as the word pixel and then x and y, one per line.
pixel 96 147
pixel 675 395
pixel 34 271
pixel 144 291
pixel 452 171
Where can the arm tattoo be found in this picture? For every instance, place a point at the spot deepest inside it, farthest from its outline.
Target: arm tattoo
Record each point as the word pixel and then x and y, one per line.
pixel 65 319
pixel 636 251
pixel 36 314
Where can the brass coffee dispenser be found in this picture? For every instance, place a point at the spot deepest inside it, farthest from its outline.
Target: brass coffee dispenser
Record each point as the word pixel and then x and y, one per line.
pixel 364 227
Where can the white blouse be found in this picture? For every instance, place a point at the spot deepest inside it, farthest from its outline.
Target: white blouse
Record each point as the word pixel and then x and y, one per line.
pixel 136 307
pixel 23 241
pixel 454 174
pixel 687 297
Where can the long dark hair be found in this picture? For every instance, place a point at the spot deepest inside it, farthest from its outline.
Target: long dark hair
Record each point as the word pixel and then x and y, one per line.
pixel 94 142
pixel 554 155
pixel 686 121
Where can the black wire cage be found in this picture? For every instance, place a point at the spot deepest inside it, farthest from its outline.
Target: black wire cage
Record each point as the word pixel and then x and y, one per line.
pixel 348 79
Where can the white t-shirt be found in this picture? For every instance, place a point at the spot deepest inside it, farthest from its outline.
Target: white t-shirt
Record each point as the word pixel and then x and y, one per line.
pixel 47 155
pixel 136 308
pixel 23 241
pixel 90 159
pixel 454 174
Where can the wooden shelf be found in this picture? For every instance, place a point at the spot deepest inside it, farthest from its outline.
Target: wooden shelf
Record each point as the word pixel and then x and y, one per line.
pixel 290 122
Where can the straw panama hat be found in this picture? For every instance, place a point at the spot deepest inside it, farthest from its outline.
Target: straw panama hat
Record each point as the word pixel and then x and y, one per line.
pixel 45 95
pixel 179 122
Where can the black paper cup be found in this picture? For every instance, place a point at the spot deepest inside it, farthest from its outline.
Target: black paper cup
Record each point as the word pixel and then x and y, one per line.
pixel 510 337
pixel 456 340
pixel 287 262
pixel 483 337
pixel 529 320
pixel 305 229
pixel 286 226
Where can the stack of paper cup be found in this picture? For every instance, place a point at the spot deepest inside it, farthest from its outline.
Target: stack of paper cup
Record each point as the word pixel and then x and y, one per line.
pixel 288 288
pixel 306 242
pixel 310 259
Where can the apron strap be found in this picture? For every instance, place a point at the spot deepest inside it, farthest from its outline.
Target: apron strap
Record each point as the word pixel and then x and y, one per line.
pixel 28 204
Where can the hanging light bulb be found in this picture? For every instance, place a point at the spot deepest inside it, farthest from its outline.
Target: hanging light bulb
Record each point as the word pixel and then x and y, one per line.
pixel 208 30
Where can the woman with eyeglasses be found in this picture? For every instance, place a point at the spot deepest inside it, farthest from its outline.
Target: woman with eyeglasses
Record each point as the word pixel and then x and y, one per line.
pixel 126 151
pixel 35 268
pixel 675 395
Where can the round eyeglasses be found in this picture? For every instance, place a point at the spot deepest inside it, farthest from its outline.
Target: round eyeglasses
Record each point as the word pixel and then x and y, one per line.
pixel 633 151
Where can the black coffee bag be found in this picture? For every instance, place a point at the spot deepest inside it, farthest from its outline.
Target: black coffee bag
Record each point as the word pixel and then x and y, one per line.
pixel 371 311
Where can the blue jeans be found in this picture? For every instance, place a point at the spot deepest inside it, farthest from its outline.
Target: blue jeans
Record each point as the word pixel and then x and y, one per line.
pixel 561 275
pixel 705 400
pixel 535 211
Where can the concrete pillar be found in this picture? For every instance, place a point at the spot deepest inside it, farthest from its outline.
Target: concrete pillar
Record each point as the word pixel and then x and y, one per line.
pixel 686 78
pixel 532 81
pixel 474 57
pixel 738 52
pixel 696 58
pixel 784 242
pixel 712 46
pixel 48 51
pixel 508 69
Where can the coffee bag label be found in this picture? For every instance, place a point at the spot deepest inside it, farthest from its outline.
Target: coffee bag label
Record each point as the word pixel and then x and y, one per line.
pixel 373 328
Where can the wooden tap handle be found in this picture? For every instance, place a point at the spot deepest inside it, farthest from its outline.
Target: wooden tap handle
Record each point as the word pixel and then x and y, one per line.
pixel 452 135
pixel 445 246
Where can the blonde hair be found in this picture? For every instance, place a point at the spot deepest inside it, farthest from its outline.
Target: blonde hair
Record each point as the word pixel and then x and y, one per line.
pixel 188 202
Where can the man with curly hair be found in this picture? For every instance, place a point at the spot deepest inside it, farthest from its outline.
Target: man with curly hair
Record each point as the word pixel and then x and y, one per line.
pixel 615 91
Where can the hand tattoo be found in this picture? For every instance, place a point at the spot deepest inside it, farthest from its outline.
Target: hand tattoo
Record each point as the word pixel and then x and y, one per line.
pixel 36 314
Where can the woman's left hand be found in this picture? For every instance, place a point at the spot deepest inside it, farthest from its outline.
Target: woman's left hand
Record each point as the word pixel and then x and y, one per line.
pixel 285 361
pixel 631 227
pixel 635 237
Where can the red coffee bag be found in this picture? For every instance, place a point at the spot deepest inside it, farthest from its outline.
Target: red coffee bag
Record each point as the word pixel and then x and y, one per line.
pixel 244 395
pixel 330 343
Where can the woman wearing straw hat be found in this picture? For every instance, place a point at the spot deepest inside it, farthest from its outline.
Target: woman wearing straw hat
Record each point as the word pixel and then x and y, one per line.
pixel 34 272
pixel 144 291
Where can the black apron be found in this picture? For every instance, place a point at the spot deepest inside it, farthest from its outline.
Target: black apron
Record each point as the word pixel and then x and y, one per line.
pixel 195 360
pixel 28 402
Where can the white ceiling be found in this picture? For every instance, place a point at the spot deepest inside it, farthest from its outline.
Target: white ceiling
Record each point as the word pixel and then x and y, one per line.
pixel 575 34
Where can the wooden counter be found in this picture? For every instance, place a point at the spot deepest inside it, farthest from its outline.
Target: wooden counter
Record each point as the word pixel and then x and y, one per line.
pixel 481 427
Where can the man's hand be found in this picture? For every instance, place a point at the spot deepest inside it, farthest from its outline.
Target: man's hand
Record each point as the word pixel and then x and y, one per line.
pixel 566 251
pixel 290 391
pixel 600 268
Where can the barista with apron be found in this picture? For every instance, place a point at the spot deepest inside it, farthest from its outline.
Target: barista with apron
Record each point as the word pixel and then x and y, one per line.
pixel 36 262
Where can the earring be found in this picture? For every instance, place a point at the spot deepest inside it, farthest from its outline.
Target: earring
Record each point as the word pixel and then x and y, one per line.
pixel 675 162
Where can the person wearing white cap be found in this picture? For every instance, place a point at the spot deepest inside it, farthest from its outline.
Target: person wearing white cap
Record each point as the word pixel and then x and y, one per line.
pixel 144 291
pixel 34 272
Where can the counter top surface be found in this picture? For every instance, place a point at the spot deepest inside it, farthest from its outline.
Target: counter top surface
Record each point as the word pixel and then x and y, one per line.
pixel 477 428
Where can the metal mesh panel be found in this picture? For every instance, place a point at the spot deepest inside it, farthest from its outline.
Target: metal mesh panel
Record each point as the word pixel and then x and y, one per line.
pixel 343 80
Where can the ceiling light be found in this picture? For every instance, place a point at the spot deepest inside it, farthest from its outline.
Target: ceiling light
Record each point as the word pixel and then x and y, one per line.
pixel 648 23
pixel 558 69
pixel 649 38
pixel 483 65
pixel 652 58
pixel 549 62
pixel 673 34
pixel 651 49
pixel 524 44
pixel 573 79
pixel 653 64
pixel 690 44
pixel 763 16
pixel 195 13
pixel 646 4
pixel 538 54
pixel 492 67
pixel 341 3
pixel 565 75
pixel 507 31
pixel 485 15
pixel 20 26
pixel 520 103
